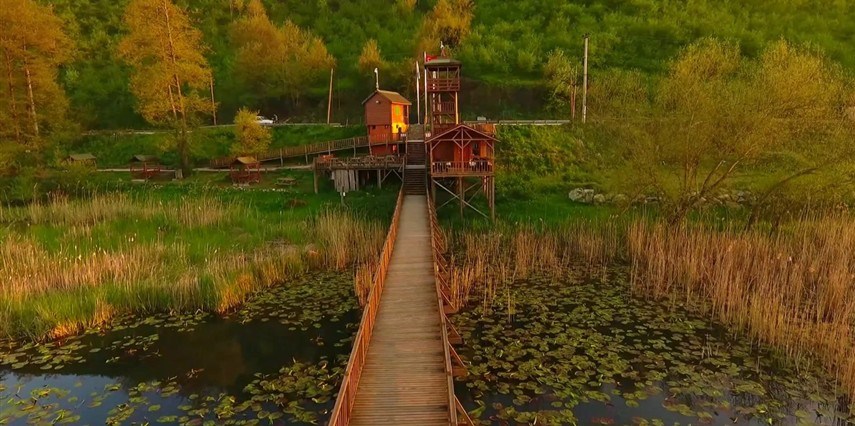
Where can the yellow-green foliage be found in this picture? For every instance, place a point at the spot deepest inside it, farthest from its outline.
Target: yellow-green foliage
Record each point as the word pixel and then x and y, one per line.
pixel 251 138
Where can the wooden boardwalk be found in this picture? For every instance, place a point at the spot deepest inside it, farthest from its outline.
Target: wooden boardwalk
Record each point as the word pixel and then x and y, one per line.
pixel 404 380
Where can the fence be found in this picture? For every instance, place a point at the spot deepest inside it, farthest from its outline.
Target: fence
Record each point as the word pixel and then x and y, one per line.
pixel 347 393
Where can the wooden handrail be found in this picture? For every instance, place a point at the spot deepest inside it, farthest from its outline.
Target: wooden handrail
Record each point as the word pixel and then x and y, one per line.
pixel 302 150
pixel 475 166
pixel 456 412
pixel 347 393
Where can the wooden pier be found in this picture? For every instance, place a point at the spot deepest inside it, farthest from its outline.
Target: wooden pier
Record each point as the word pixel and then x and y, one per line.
pixel 402 365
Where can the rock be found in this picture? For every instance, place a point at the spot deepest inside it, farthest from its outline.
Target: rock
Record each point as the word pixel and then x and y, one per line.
pixel 599 199
pixel 620 199
pixel 577 195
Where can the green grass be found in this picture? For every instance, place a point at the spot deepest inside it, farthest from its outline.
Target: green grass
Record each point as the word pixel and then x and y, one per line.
pixel 175 246
pixel 114 150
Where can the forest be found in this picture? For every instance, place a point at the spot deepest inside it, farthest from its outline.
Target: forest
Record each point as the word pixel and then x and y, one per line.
pixel 503 45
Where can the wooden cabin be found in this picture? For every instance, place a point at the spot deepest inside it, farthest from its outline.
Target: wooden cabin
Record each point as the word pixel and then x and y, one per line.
pixel 144 166
pixel 85 159
pixel 387 116
pixel 245 170
pixel 461 151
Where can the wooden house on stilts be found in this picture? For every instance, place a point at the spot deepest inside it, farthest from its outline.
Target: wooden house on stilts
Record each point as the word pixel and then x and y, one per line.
pixel 461 157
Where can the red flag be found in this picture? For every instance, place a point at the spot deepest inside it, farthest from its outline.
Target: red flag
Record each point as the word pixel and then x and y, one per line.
pixel 429 58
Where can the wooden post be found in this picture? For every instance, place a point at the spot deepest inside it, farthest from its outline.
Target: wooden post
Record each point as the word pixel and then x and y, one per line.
pixel 379 180
pixel 460 194
pixel 329 101
pixel 585 85
pixel 281 158
pixel 315 173
pixel 213 103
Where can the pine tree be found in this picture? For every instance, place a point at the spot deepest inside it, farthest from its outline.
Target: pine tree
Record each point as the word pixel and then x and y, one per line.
pixel 32 47
pixel 171 77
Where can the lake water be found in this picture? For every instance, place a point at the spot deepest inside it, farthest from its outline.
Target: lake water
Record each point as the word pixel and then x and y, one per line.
pixel 276 360
pixel 582 350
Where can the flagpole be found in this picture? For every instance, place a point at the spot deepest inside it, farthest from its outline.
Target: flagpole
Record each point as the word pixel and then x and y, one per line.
pixel 426 92
pixel 418 94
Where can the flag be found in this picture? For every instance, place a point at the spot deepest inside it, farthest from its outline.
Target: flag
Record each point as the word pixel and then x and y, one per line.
pixel 429 58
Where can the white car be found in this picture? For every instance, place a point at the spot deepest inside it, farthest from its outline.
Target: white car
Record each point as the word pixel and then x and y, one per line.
pixel 263 120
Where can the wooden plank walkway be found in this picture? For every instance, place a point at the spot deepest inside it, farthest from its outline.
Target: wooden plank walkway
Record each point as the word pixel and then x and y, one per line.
pixel 404 380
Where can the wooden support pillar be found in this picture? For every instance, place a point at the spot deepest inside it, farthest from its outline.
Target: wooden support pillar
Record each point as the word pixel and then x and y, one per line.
pixel 379 180
pixel 461 196
pixel 315 175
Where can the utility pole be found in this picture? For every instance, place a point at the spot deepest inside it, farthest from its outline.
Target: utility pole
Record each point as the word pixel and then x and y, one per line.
pixel 213 104
pixel 585 84
pixel 329 101
pixel 418 95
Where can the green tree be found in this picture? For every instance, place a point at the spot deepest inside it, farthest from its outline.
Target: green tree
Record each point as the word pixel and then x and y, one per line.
pixel 370 58
pixel 808 98
pixel 449 22
pixel 562 80
pixel 33 47
pixel 276 61
pixel 251 138
pixel 171 78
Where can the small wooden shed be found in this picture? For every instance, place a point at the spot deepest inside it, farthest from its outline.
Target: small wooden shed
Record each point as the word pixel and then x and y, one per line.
pixel 85 159
pixel 387 116
pixel 245 170
pixel 145 166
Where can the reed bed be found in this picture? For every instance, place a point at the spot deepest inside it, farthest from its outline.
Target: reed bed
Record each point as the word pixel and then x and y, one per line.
pixel 71 264
pixel 793 290
pixel 489 262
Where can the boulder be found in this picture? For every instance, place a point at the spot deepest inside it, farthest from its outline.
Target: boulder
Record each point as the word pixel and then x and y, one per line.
pixel 599 199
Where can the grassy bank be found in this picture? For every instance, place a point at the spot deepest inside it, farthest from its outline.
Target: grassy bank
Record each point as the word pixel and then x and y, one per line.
pixel 116 149
pixel 791 289
pixel 72 263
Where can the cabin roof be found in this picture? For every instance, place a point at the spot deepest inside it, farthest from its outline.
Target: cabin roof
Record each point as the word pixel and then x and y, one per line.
pixel 442 61
pixel 81 157
pixel 462 128
pixel 246 160
pixel 142 158
pixel 393 97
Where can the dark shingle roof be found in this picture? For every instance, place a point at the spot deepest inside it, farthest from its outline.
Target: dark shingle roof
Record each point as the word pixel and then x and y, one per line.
pixel 393 97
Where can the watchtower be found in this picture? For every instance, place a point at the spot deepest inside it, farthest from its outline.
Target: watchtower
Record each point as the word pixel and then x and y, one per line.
pixel 442 84
pixel 461 158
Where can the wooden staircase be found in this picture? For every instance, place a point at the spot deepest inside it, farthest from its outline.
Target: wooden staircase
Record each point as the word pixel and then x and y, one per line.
pixel 415 174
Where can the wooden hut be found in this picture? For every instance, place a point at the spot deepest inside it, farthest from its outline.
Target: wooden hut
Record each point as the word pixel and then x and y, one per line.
pixel 461 157
pixel 144 166
pixel 85 159
pixel 245 170
pixel 387 116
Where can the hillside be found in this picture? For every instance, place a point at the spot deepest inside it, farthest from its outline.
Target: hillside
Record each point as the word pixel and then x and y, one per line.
pixel 503 54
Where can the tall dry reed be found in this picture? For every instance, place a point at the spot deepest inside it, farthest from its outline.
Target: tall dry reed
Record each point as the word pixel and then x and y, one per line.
pixel 793 290
pixel 488 262
pixel 76 283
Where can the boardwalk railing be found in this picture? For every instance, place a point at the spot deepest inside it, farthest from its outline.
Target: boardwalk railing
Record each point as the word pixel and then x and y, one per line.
pixel 460 168
pixel 347 393
pixel 456 412
pixel 364 162
pixel 301 151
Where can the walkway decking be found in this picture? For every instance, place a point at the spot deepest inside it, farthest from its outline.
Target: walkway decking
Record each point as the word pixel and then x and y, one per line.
pixel 404 380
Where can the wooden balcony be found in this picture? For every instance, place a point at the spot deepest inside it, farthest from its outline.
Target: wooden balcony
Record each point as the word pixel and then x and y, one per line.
pixel 368 162
pixel 443 84
pixel 479 167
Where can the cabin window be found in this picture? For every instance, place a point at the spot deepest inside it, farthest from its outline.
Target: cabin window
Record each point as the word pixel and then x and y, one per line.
pixel 373 127
pixel 476 149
